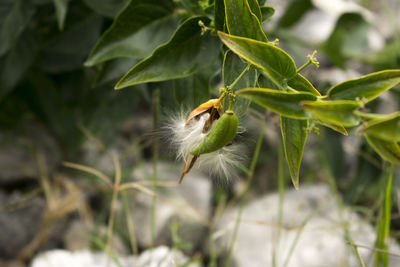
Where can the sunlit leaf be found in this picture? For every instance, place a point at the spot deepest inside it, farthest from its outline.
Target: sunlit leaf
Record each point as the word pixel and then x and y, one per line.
pixel 336 127
pixel 240 21
pixel 187 52
pixel 255 9
pixel 294 134
pixel 334 112
pixel 299 83
pixel 386 127
pixel 136 31
pixel 285 103
pixel 388 150
pixel 272 61
pixel 367 87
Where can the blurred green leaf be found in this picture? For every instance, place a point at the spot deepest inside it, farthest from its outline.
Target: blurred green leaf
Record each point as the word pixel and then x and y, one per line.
pixel 293 13
pixel 299 83
pixel 187 52
pixel 14 23
pixel 266 12
pixel 284 103
pixel 388 57
pixel 388 150
pixel 366 87
pixel 17 62
pixel 219 15
pixel 272 61
pixel 339 112
pixel 387 127
pixel 61 7
pixel 120 39
pixel 108 8
pixel 231 69
pixel 294 134
pixel 240 21
pixel 348 39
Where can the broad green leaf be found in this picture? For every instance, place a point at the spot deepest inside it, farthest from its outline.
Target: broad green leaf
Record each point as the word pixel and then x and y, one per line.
pixel 61 7
pixel 124 37
pixel 255 9
pixel 388 150
pixel 336 127
pixel 285 103
pixel 366 87
pixel 266 12
pixel 387 127
pixel 293 13
pixel 339 112
pixel 187 52
pixel 14 23
pixel 219 15
pixel 108 8
pixel 264 82
pixel 299 83
pixel 231 69
pixel 272 61
pixel 294 134
pixel 240 21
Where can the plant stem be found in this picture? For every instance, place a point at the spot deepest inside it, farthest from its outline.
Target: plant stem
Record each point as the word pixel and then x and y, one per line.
pixel 239 77
pixel 244 194
pixel 156 113
pixel 384 223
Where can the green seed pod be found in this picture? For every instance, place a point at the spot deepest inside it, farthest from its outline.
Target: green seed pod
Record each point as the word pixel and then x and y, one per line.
pixel 223 131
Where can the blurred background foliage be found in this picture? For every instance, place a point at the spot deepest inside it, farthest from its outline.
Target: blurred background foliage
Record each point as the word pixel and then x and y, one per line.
pixel 48 79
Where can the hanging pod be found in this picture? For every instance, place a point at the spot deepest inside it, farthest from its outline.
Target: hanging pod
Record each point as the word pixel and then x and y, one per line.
pixel 222 132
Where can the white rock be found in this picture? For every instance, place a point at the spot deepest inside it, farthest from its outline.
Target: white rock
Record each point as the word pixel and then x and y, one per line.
pixel 187 204
pixel 320 243
pixel 158 257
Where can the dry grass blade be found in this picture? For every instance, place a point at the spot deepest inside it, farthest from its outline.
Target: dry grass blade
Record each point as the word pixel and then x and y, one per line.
pixel 90 170
pixel 374 249
pixel 136 186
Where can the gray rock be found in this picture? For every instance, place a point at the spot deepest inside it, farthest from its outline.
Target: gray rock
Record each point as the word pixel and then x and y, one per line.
pixel 18 224
pixel 187 204
pixel 158 257
pixel 310 214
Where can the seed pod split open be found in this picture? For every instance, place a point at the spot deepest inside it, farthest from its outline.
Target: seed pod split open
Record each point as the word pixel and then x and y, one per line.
pixel 222 132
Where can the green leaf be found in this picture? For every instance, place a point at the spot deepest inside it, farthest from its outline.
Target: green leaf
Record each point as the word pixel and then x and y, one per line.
pixel 61 12
pixel 294 134
pixel 14 24
pixel 348 39
pixel 272 61
pixel 284 103
pixel 387 127
pixel 240 21
pixel 266 12
pixel 299 83
pixel 108 8
pixel 339 112
pixel 366 87
pixel 255 9
pixel 231 69
pixel 387 150
pixel 124 37
pixel 293 13
pixel 336 127
pixel 219 15
pixel 187 52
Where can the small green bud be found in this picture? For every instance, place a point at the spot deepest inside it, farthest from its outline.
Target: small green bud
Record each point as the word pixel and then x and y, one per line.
pixel 222 132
